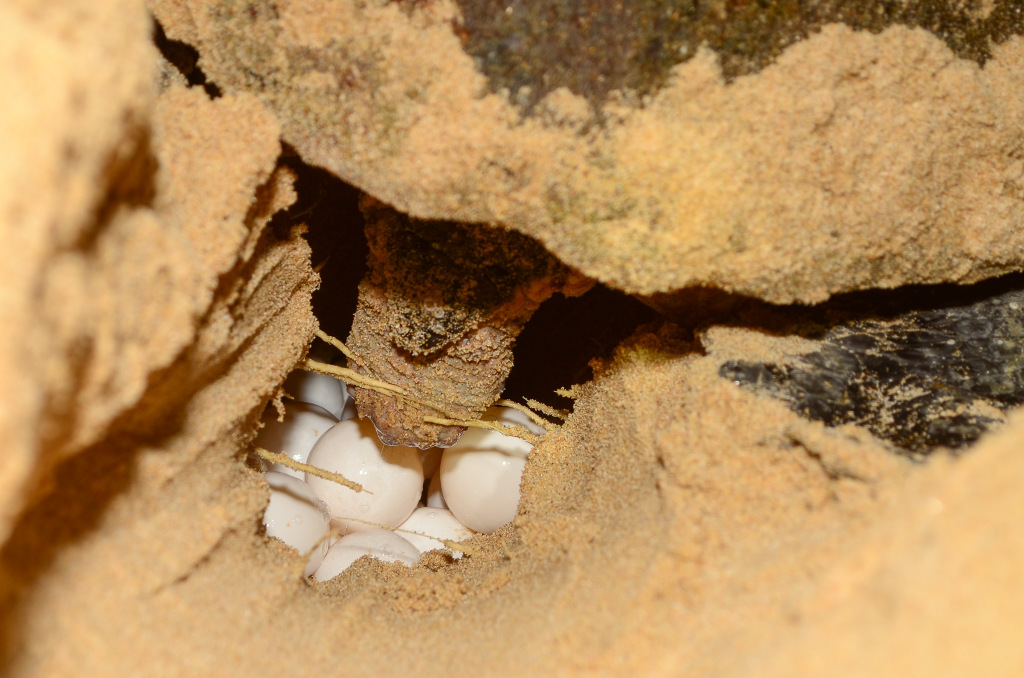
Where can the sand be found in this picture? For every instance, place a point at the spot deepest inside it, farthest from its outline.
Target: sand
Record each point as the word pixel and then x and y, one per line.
pixel 853 161
pixel 675 525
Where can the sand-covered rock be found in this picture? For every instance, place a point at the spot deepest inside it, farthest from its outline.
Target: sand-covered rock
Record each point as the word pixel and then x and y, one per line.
pixel 133 223
pixel 678 523
pixel 73 124
pixel 823 158
pixel 438 314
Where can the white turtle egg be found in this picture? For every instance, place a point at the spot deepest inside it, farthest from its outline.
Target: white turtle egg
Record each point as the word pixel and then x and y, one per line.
pixel 436 524
pixel 435 498
pixel 480 474
pixel 295 435
pixel 431 460
pixel 394 476
pixel 297 518
pixel 317 389
pixel 350 412
pixel 510 415
pixel 376 543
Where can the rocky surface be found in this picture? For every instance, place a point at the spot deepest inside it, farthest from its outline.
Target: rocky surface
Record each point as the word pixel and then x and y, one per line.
pixel 925 379
pixel 438 314
pixel 677 524
pixel 850 159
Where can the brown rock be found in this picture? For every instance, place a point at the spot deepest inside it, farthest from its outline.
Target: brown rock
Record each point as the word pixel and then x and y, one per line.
pixel 845 160
pixel 439 311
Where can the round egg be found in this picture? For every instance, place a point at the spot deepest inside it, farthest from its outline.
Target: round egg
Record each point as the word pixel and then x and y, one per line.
pixel 435 498
pixel 296 517
pixel 350 411
pixel 318 389
pixel 431 460
pixel 376 543
pixel 295 435
pixel 392 476
pixel 480 474
pixel 426 526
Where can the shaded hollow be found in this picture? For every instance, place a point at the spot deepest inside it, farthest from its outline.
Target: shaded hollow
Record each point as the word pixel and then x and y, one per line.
pixel 676 524
pixel 556 346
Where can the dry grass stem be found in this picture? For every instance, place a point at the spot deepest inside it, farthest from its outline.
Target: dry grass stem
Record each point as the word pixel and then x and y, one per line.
pixel 285 460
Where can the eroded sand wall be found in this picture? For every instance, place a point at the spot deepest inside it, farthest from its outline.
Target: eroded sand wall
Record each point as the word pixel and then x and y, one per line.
pixel 676 525
pixel 854 160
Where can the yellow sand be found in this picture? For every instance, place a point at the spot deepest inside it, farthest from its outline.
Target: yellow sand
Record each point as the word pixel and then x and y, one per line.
pixel 676 525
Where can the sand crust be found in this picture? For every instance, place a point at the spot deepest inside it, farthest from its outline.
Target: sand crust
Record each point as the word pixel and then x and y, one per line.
pixel 676 525
pixel 854 161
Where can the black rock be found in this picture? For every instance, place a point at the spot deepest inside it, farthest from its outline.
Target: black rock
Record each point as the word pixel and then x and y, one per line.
pixel 921 380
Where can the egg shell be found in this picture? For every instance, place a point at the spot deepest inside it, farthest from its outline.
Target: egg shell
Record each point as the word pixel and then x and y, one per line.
pixel 295 435
pixel 380 544
pixel 296 517
pixel 392 476
pixel 480 474
pixel 318 389
pixel 426 526
pixel 435 498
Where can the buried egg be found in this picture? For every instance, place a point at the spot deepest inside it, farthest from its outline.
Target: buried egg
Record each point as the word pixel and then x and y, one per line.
pixel 435 499
pixel 427 526
pixel 392 477
pixel 297 518
pixel 480 474
pixel 377 543
pixel 350 411
pixel 322 390
pixel 295 435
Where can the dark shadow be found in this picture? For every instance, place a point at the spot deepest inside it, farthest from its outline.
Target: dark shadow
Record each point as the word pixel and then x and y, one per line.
pixel 555 348
pixel 185 58
pixel 329 208
pixel 696 308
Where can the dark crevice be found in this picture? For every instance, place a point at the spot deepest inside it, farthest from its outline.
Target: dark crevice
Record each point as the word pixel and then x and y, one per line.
pixel 185 58
pixel 329 209
pixel 565 335
pixel 553 351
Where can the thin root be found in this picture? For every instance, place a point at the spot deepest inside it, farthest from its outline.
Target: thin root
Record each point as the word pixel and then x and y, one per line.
pixel 453 545
pixel 534 417
pixel 506 429
pixel 547 409
pixel 338 344
pixel 448 543
pixel 285 460
pixel 353 377
pixel 573 392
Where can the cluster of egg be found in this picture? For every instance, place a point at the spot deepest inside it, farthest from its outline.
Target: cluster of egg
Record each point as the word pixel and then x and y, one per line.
pixel 414 500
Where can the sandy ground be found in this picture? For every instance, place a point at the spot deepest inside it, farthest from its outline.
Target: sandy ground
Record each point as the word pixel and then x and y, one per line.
pixel 675 525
